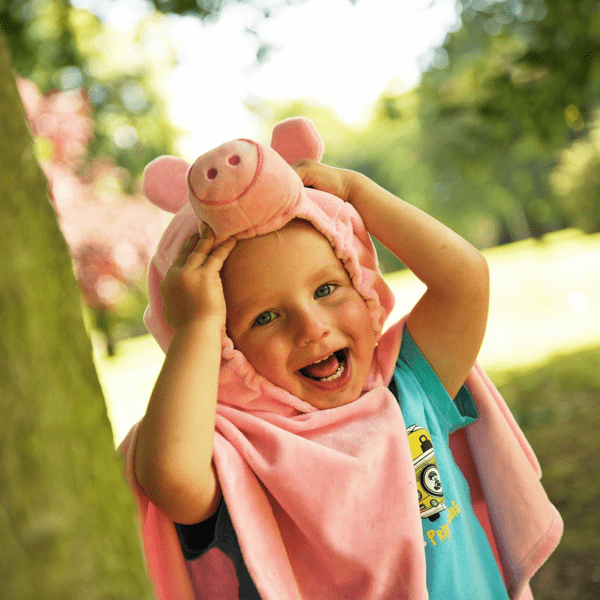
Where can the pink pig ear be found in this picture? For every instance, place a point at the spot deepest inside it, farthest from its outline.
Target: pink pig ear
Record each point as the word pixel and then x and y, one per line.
pixel 164 182
pixel 297 138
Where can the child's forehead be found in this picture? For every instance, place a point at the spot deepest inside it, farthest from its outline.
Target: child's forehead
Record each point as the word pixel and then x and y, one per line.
pixel 297 227
pixel 283 244
pixel 296 244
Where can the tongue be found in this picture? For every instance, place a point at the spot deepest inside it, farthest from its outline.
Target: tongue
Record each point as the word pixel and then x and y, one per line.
pixel 323 369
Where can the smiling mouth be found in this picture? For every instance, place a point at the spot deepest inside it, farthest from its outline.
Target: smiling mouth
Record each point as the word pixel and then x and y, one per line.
pixel 322 370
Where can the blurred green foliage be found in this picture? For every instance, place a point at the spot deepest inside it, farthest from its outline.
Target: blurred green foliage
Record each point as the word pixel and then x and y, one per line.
pixel 60 47
pixel 576 178
pixel 500 139
pixel 558 408
pixel 503 98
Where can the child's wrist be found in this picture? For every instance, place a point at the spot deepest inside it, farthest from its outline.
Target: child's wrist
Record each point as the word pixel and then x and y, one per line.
pixel 201 326
pixel 354 186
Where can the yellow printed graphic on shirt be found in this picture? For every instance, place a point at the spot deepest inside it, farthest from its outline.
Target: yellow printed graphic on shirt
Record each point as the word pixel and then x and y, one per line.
pixel 439 536
pixel 429 486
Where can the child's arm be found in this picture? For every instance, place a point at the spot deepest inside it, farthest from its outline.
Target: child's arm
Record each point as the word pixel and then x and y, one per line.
pixel 173 461
pixel 448 323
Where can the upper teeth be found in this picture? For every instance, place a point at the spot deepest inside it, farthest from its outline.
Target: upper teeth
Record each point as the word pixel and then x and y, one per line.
pixel 319 361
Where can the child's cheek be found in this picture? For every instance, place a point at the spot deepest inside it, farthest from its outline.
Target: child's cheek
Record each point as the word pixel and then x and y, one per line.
pixel 358 316
pixel 265 354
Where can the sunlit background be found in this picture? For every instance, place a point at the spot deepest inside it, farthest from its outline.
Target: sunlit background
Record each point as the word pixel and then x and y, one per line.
pixel 333 53
pixel 484 113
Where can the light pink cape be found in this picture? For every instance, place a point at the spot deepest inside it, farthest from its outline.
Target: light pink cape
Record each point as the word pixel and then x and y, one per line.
pixel 323 502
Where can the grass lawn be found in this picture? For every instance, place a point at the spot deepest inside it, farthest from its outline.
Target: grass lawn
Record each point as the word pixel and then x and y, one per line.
pixel 558 408
pixel 542 349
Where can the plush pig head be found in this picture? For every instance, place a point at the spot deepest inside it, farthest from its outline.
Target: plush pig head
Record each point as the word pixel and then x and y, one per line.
pixel 241 186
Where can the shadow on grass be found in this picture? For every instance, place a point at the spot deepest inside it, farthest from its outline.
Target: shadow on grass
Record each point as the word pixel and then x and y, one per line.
pixel 558 407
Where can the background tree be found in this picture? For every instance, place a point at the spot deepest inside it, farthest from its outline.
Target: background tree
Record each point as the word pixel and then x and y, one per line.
pixel 491 140
pixel 67 528
pixel 505 93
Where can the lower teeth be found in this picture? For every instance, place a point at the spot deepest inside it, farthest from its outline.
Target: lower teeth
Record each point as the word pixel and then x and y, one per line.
pixel 336 375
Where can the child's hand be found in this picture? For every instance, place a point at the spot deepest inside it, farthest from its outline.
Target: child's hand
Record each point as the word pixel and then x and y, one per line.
pixel 191 289
pixel 339 182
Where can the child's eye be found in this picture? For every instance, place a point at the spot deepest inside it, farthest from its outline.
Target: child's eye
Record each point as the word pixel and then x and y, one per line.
pixel 324 290
pixel 265 318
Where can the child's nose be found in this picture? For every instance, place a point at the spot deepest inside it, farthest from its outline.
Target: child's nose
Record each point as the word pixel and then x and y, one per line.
pixel 311 327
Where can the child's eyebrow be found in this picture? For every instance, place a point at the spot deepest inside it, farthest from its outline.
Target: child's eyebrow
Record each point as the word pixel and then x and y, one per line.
pixel 333 271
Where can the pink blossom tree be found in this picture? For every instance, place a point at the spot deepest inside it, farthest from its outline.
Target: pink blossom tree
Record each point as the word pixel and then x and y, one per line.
pixel 111 234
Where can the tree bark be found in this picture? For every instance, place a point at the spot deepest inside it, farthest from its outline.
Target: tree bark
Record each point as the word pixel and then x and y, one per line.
pixel 67 524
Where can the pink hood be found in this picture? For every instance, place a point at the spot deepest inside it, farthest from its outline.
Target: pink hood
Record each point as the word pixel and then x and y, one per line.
pixel 245 189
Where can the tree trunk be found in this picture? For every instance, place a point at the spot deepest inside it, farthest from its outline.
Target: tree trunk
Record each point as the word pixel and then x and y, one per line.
pixel 67 524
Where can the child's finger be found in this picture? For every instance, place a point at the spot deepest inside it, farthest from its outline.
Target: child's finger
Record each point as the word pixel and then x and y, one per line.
pixel 202 248
pixel 190 243
pixel 323 177
pixel 313 174
pixel 305 169
pixel 205 243
pixel 206 232
pixel 219 255
pixel 187 247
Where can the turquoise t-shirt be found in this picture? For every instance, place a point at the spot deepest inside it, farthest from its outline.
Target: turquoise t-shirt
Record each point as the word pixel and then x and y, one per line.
pixel 460 562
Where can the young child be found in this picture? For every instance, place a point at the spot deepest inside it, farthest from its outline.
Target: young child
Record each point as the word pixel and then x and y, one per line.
pixel 290 449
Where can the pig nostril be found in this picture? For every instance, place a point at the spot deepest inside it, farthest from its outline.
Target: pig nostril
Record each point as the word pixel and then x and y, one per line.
pixel 234 160
pixel 211 173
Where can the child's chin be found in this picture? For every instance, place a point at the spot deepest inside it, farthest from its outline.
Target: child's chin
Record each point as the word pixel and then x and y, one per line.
pixel 333 402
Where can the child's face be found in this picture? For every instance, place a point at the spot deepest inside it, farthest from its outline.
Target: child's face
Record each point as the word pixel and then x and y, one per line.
pixel 290 303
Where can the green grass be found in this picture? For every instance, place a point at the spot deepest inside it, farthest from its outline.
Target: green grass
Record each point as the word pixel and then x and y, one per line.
pixel 558 408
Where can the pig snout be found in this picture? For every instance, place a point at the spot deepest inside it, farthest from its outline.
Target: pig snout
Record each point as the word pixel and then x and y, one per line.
pixel 241 186
pixel 224 174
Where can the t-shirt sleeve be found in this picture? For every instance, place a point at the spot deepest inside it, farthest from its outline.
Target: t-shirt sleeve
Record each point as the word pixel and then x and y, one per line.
pixel 217 532
pixel 456 412
pixel 198 538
